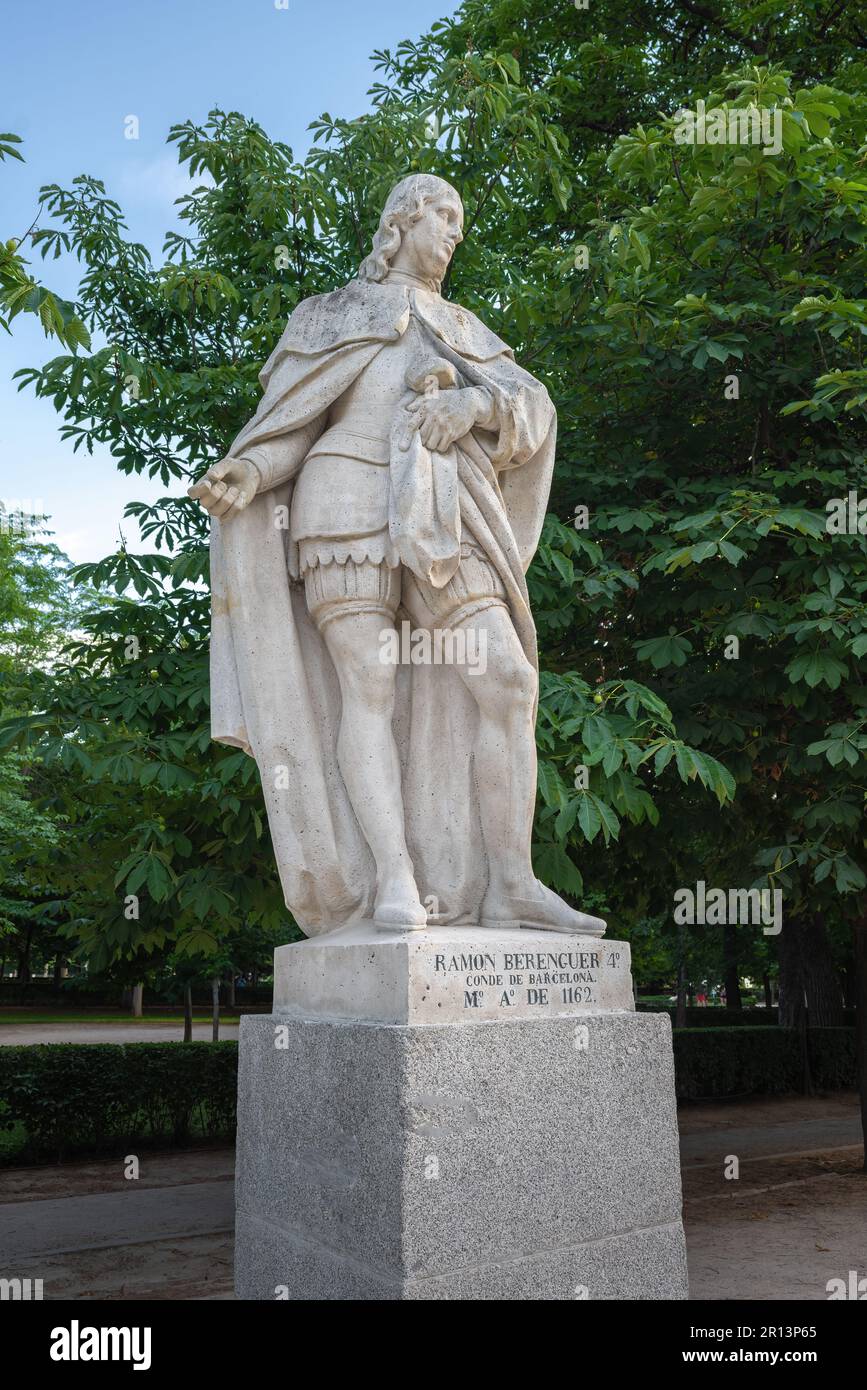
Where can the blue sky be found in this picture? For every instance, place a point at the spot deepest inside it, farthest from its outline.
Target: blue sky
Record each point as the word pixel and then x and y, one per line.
pixel 72 74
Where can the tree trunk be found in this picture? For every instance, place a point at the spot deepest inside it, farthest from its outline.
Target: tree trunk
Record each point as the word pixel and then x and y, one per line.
pixel 215 1008
pixel 24 959
pixel 810 994
pixel 230 991
pixel 680 1011
pixel 791 985
pixel 137 992
pixel 793 1006
pixel 850 984
pixel 804 1031
pixel 731 977
pixel 861 1019
pixel 821 976
pixel 58 968
pixel 769 995
pixel 188 1013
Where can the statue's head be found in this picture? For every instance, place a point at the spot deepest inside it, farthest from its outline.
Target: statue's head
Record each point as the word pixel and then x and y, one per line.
pixel 420 226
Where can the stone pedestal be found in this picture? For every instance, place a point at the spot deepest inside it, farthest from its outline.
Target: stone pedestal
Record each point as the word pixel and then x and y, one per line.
pixel 457 1115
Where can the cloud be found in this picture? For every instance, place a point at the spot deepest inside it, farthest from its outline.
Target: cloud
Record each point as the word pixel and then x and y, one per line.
pixel 78 545
pixel 158 181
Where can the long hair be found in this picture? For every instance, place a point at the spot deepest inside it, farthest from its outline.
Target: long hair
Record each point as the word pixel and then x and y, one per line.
pixel 403 206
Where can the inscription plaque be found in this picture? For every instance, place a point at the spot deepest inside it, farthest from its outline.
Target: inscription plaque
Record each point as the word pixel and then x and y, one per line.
pixel 452 975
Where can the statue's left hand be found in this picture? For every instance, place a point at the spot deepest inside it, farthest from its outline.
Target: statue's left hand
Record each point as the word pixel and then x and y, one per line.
pixel 448 416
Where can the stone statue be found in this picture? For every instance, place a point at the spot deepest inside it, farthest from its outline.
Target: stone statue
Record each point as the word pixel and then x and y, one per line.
pixel 394 478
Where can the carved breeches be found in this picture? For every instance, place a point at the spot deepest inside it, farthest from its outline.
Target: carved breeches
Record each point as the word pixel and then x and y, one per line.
pixel 334 588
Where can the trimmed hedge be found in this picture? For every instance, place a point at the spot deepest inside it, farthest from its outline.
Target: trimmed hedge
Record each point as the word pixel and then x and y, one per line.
pixel 716 1017
pixel 74 1097
pixel 96 1098
pixel 712 1063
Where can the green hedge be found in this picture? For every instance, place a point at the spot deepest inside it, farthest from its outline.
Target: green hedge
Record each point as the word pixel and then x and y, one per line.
pixel 718 1062
pixel 68 1098
pixel 73 1097
pixel 715 1017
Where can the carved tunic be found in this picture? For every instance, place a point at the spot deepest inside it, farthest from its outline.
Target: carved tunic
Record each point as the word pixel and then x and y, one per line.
pixel 340 502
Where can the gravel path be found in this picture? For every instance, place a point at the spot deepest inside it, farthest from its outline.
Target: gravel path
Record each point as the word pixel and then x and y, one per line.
pixel 18 1034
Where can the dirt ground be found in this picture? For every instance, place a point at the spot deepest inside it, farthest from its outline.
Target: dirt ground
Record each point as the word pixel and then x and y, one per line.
pixel 795 1216
pixel 91 1233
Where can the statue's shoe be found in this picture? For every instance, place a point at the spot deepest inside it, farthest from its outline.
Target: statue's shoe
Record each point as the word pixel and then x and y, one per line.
pixel 545 912
pixel 398 908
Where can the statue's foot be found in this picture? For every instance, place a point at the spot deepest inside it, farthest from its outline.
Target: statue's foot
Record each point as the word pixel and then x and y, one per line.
pixel 539 909
pixel 398 906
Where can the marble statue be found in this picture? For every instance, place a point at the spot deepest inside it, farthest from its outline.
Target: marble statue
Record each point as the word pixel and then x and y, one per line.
pixel 396 473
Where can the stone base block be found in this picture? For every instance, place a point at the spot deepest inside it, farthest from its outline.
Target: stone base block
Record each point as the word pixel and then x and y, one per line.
pixel 531 1159
pixel 450 975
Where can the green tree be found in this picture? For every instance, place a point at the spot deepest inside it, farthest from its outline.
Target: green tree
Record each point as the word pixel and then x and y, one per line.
pixel 38 608
pixel 706 506
pixel 189 852
pixel 20 293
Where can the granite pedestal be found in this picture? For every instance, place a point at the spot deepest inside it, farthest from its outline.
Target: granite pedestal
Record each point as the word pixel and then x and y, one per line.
pixel 457 1114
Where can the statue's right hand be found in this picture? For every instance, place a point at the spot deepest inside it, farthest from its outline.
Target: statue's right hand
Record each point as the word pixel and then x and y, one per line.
pixel 227 488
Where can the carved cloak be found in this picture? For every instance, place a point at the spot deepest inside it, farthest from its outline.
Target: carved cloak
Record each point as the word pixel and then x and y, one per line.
pixel 274 690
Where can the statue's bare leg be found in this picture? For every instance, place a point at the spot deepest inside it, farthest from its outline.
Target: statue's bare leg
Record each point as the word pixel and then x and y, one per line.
pixel 368 760
pixel 505 761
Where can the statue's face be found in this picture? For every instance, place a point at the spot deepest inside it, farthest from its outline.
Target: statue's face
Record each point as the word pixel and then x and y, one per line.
pixel 428 245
